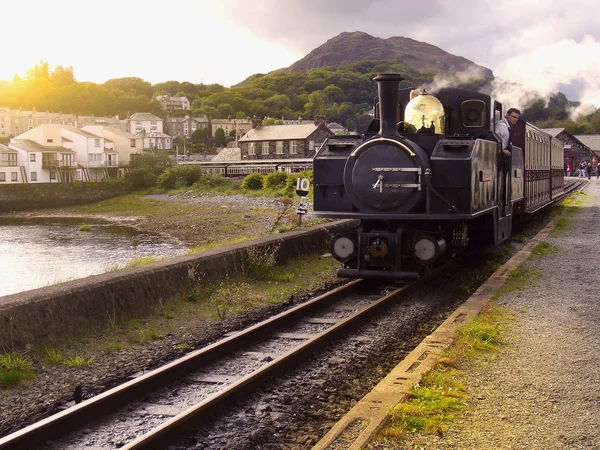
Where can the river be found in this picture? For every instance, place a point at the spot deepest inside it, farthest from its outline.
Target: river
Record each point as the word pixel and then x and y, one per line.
pixel 41 252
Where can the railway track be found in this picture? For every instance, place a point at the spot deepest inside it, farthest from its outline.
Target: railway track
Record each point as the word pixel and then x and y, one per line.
pixel 156 407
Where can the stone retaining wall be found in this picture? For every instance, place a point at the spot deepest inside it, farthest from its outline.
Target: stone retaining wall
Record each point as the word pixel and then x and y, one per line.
pixel 51 314
pixel 29 196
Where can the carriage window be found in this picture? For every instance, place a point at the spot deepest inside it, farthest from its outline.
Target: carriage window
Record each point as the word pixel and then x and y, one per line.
pixel 473 113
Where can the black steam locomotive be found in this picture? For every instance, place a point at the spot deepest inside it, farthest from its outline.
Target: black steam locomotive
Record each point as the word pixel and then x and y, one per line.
pixel 425 180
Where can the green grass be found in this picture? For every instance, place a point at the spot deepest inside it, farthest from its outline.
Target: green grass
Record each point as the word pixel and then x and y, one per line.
pixel 85 228
pixel 14 369
pixel 441 395
pixel 78 361
pixel 141 261
pixel 517 280
pixel 543 249
pixel 53 356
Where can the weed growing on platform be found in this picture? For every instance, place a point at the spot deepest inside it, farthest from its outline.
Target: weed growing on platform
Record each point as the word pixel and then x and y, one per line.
pixel 542 249
pixel 440 395
pixel 85 228
pixel 14 369
pixel 519 279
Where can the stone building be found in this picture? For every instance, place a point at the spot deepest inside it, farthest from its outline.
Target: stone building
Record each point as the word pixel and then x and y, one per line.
pixel 283 141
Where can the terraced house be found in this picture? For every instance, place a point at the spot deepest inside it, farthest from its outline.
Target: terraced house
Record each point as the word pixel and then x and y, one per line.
pixel 53 153
pixel 283 141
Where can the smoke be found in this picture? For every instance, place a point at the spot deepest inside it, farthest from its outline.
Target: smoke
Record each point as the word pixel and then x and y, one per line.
pixel 444 80
pixel 546 69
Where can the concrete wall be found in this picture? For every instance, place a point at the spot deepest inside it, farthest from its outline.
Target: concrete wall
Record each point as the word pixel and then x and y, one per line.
pixel 50 314
pixel 26 197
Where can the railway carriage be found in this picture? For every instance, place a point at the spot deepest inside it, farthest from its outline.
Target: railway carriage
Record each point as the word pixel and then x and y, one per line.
pixel 425 180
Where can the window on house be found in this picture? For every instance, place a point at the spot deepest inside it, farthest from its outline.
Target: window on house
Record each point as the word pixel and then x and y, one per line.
pixel 293 147
pixel 13 176
pixel 97 142
pixel 265 148
pixel 279 148
pixel 53 175
pixel 2 176
pixel 33 176
pixel 132 143
pixel 252 148
pixel 43 121
pixel 32 157
pixel 30 122
pixel 49 141
pixel 311 145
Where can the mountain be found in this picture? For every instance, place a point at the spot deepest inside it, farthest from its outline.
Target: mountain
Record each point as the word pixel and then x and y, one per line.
pixel 347 48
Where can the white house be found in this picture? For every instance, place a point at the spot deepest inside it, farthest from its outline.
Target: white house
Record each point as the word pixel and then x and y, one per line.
pixel 61 153
pixel 125 144
pixel 10 171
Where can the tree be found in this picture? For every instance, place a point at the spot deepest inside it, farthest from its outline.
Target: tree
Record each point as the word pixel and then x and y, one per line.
pixel 315 104
pixel 220 140
pixel 63 76
pixel 131 86
pixel 40 70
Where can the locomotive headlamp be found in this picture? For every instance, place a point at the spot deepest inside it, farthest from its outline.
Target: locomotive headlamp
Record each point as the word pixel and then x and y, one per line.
pixel 425 113
pixel 428 249
pixel 342 249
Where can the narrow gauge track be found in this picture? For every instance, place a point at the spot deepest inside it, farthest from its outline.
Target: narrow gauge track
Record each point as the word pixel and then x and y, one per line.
pixel 155 408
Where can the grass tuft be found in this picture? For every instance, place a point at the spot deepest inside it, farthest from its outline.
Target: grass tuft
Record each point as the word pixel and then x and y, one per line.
pixel 85 228
pixel 14 369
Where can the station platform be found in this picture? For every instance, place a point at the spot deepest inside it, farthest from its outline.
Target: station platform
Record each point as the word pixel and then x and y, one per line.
pixel 542 390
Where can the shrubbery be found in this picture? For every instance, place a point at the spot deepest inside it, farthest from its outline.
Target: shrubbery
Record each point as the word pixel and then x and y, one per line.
pixel 276 180
pixel 142 177
pixel 253 182
pixel 179 176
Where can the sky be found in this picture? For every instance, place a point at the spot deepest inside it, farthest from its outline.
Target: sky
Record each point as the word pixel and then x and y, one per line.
pixel 536 44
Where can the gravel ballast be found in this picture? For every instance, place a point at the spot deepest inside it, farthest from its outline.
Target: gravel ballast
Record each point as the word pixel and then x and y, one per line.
pixel 543 389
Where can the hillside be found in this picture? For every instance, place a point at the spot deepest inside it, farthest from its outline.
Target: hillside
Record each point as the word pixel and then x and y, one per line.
pixel 347 48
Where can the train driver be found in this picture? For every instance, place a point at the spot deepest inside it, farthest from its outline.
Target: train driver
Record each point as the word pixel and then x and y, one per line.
pixel 503 129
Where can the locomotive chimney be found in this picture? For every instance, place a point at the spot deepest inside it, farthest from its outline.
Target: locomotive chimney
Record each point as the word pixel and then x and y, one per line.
pixel 387 87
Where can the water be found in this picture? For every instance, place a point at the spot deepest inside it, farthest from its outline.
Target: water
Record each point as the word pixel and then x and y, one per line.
pixel 41 252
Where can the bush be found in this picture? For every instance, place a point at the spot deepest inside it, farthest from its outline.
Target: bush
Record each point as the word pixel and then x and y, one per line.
pixel 179 176
pixel 142 177
pixel 276 180
pixel 253 182
pixel 211 182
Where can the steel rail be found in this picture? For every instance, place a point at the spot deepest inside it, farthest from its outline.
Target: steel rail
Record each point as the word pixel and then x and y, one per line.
pixel 106 402
pixel 172 429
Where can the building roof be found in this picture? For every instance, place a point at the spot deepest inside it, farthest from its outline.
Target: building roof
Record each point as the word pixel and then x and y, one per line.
pixel 591 140
pixel 79 131
pixel 152 134
pixel 144 116
pixel 5 149
pixel 279 132
pixel 108 129
pixel 31 146
pixel 229 154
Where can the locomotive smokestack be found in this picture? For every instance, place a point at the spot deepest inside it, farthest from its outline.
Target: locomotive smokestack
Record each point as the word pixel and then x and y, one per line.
pixel 387 87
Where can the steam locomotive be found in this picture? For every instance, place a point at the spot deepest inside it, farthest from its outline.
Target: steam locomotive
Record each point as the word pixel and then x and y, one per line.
pixel 425 180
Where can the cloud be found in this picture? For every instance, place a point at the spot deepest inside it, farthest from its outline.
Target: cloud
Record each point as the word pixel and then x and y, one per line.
pixel 544 69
